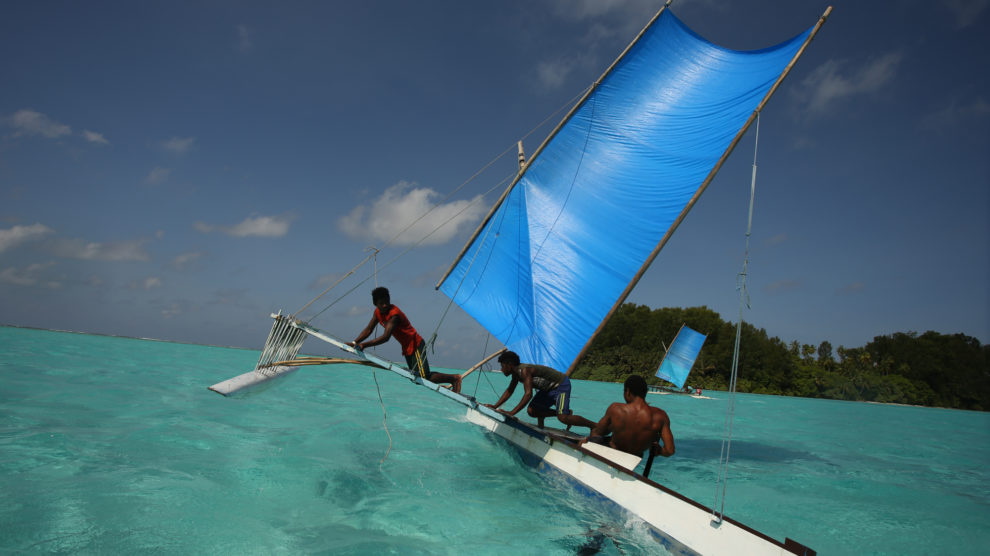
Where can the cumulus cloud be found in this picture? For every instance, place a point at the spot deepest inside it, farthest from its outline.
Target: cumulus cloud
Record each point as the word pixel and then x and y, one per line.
pixel 148 283
pixel 854 287
pixel 185 259
pixel 178 145
pixel 94 137
pixel 29 276
pixel 244 35
pixel 252 226
pixel 784 286
pixel 129 250
pixel 954 113
pixel 836 80
pixel 157 175
pixel 22 234
pixel 966 12
pixel 29 122
pixel 777 239
pixel 553 75
pixel 400 207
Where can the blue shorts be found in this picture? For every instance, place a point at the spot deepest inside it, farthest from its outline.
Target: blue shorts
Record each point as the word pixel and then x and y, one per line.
pixel 559 397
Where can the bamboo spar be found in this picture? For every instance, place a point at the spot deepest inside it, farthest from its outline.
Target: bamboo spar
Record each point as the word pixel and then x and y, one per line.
pixel 701 189
pixel 482 362
pixel 528 163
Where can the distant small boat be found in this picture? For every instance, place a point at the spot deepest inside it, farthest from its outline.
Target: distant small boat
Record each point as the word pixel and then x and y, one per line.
pixel 678 361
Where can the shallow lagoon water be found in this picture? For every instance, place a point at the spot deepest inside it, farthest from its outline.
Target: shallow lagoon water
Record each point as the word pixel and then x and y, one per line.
pixel 114 445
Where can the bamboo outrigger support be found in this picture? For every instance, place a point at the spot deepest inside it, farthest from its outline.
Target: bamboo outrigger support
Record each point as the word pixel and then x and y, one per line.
pixel 483 361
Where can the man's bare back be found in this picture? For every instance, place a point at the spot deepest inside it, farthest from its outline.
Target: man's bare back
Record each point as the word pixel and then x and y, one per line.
pixel 635 425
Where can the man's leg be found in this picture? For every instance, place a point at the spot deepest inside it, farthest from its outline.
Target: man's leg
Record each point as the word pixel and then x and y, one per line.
pixel 564 413
pixel 453 380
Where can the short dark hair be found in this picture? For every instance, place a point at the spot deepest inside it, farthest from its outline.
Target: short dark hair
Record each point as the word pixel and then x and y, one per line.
pixel 380 293
pixel 509 357
pixel 636 386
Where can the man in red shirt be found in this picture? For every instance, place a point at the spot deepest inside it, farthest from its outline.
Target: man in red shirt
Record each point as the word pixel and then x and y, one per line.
pixel 396 324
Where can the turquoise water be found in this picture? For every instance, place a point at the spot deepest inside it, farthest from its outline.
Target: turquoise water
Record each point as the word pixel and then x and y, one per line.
pixel 113 445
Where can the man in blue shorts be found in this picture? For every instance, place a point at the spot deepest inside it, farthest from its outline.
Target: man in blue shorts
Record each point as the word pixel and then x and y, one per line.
pixel 553 392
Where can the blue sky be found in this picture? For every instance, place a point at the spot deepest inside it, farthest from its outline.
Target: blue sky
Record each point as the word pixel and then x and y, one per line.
pixel 181 170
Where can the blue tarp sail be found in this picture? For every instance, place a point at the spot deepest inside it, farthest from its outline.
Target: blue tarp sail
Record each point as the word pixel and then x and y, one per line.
pixel 557 254
pixel 677 363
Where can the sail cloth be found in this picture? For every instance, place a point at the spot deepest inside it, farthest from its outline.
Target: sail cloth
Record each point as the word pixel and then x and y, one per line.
pixel 677 362
pixel 568 239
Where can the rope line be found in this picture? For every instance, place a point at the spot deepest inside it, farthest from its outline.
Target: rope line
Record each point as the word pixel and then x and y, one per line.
pixel 444 199
pixel 384 419
pixel 410 248
pixel 723 470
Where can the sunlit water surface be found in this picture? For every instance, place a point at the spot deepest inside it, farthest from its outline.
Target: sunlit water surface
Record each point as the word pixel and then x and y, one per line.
pixel 114 445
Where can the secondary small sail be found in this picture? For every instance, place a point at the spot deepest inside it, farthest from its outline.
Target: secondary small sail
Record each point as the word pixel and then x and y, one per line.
pixel 559 251
pixel 677 362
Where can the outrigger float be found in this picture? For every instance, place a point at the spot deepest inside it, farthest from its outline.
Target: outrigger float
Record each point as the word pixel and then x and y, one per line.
pixel 572 235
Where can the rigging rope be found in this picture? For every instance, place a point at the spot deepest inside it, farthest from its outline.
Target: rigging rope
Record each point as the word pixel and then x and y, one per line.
pixel 384 418
pixel 723 461
pixel 411 247
pixel 445 198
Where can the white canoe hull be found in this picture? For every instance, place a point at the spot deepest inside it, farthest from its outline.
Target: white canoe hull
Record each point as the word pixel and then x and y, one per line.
pixel 682 525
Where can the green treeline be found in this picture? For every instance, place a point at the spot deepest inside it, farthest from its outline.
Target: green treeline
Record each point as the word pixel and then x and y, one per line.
pixel 930 369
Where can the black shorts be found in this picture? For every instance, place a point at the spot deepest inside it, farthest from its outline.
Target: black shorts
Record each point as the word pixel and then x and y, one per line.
pixel 417 362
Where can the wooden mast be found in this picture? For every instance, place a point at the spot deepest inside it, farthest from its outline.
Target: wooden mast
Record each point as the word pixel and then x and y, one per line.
pixel 701 189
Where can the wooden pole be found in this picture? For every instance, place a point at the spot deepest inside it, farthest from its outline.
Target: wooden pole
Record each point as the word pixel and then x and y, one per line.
pixel 701 189
pixel 483 361
pixel 543 145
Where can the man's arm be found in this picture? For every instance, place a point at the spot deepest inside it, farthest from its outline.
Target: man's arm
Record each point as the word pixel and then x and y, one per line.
pixel 666 436
pixel 505 395
pixel 526 375
pixel 364 333
pixel 603 427
pixel 381 339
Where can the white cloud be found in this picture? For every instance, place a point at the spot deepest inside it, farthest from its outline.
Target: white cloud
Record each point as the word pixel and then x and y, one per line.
pixel 966 12
pixel 854 287
pixel 253 226
pixel 400 206
pixel 148 283
pixel 553 75
pixel 28 276
pixel 157 175
pixel 777 239
pixel 29 122
pixel 130 250
pixel 21 234
pixel 178 145
pixel 244 34
pixel 94 137
pixel 834 81
pixel 784 286
pixel 952 114
pixel 172 310
pixel 185 259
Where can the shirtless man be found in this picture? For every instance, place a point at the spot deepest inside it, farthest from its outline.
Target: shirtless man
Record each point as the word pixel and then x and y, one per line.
pixel 634 425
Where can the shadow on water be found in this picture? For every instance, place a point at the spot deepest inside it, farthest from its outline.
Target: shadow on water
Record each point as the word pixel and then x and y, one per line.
pixel 709 449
